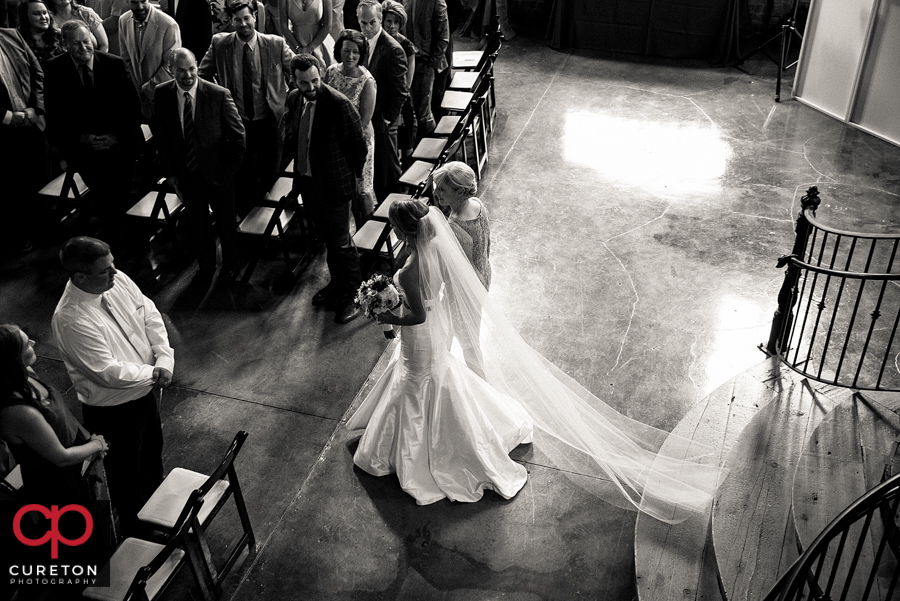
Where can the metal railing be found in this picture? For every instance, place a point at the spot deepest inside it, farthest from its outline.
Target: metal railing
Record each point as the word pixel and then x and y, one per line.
pixel 854 558
pixel 839 305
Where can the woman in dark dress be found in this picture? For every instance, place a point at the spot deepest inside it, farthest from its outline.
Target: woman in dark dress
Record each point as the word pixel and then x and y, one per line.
pixel 43 436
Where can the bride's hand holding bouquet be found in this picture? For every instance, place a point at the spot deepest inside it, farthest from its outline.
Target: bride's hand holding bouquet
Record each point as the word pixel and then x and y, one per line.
pixel 377 297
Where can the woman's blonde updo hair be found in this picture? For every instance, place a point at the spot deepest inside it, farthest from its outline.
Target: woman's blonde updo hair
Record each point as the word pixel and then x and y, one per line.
pixel 457 175
pixel 405 216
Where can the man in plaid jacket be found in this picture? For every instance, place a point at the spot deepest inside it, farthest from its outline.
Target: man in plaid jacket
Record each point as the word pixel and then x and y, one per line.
pixel 324 136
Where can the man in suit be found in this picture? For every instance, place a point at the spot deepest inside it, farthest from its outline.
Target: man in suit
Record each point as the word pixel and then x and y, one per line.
pixel 255 67
pixel 22 140
pixel 429 30
pixel 146 35
pixel 94 115
pixel 201 142
pixel 387 63
pixel 325 139
pixel 194 23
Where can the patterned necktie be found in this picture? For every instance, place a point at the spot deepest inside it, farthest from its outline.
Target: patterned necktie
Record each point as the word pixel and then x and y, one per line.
pixel 247 77
pixel 303 139
pixel 190 153
pixel 107 306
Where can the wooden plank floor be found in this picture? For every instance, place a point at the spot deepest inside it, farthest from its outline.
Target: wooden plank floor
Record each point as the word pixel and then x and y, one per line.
pixel 851 446
pixel 677 561
pixel 752 527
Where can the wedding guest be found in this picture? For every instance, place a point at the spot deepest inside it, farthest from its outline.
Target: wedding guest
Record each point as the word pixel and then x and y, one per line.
pixel 387 64
pixel 429 30
pixel 22 127
pixel 194 23
pixel 201 142
pixel 255 67
pixel 305 25
pixel 354 81
pixel 36 27
pixel 116 349
pixel 67 10
pixel 394 21
pixel 45 438
pixel 455 187
pixel 326 141
pixel 146 36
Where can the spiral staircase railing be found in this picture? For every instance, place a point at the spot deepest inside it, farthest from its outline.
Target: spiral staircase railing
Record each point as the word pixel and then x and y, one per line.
pixel 855 558
pixel 839 305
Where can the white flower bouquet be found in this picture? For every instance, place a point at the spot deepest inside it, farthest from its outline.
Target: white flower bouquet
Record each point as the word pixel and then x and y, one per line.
pixel 378 295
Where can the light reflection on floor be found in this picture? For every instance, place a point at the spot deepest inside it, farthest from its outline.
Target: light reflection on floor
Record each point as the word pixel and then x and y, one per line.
pixel 669 158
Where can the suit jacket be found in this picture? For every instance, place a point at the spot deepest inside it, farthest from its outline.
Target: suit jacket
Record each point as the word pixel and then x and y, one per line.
pixel 194 23
pixel 274 58
pixel 337 146
pixel 28 71
pixel 147 63
pixel 388 66
pixel 112 108
pixel 429 30
pixel 218 132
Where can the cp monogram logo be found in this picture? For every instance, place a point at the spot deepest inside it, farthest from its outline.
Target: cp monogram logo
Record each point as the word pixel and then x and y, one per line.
pixel 53 514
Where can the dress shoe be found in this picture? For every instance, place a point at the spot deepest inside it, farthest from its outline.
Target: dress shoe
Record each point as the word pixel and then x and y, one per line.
pixel 324 296
pixel 347 313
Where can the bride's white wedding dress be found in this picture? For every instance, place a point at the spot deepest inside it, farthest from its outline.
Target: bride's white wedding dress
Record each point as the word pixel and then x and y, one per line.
pixel 446 432
pixel 443 430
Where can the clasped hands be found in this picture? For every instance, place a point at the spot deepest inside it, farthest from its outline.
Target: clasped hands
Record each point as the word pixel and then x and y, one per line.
pixel 99 142
pixel 24 118
pixel 162 377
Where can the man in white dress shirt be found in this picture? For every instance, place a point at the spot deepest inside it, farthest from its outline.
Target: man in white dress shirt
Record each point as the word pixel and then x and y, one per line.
pixel 116 349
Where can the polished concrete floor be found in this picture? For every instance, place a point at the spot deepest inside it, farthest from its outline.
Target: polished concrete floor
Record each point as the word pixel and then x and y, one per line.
pixel 638 207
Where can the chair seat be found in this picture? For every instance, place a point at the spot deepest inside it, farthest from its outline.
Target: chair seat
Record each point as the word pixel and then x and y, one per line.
pixel 132 555
pixel 467 59
pixel 367 236
pixel 445 125
pixel 280 188
pixel 54 188
pixel 145 129
pixel 382 211
pixel 164 506
pixel 456 101
pixel 429 149
pixel 256 221
pixel 144 207
pixel 417 173
pixel 464 80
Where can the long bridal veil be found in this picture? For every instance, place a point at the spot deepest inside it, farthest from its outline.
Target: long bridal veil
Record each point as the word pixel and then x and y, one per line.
pixel 611 455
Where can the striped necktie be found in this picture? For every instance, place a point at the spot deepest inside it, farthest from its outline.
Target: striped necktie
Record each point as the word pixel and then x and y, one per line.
pixel 190 152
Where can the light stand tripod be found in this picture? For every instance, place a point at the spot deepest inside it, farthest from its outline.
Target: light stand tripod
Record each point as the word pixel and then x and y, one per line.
pixel 787 33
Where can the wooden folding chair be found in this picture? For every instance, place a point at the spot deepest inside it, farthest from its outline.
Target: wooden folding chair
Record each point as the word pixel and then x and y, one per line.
pixel 268 222
pixel 161 510
pixel 161 208
pixel 140 570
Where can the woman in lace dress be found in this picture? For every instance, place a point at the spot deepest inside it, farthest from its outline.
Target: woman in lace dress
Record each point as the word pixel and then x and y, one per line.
pixel 455 187
pixel 354 81
pixel 37 29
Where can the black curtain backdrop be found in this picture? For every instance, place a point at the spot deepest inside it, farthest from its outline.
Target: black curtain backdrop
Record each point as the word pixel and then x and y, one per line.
pixel 669 28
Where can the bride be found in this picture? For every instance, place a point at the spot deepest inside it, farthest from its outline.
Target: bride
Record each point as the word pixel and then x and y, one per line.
pixel 447 432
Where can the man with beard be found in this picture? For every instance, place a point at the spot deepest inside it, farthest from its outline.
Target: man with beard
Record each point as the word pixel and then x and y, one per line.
pixel 201 142
pixel 325 139
pixel 255 67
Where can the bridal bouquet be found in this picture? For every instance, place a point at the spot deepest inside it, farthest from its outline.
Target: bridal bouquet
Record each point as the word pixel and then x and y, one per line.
pixel 378 295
